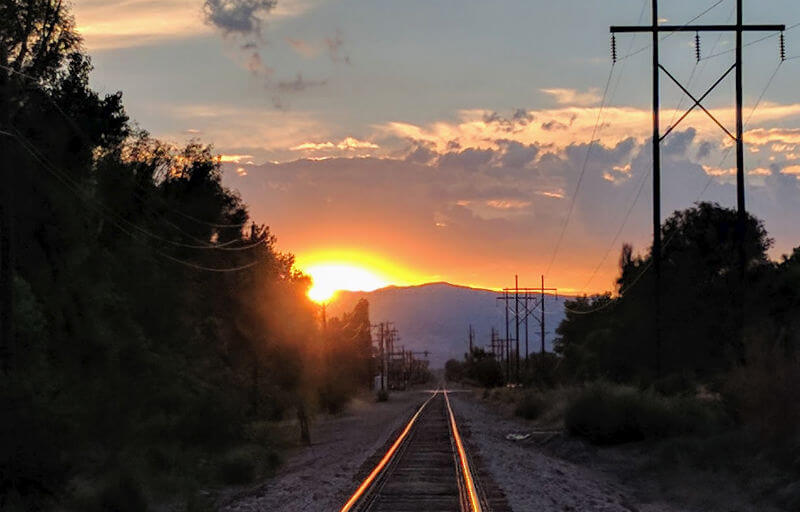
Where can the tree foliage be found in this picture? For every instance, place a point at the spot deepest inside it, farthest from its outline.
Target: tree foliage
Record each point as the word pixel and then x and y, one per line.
pixel 703 330
pixel 155 321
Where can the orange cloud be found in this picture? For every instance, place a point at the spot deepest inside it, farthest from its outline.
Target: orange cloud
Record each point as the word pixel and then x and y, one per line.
pixel 792 170
pixel 717 171
pixel 347 144
pixel 574 98
pixel 234 159
pixel 507 204
pixel 477 129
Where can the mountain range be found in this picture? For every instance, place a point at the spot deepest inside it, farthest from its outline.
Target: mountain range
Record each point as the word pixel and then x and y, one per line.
pixel 435 317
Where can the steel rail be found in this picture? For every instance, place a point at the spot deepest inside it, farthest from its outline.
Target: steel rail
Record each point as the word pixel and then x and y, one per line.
pixel 387 458
pixel 469 482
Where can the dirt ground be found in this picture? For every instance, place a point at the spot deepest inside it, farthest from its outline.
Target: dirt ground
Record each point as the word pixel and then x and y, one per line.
pixel 548 471
pixel 322 477
pixel 544 471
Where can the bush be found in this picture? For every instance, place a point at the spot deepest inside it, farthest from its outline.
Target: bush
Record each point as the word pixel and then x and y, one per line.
pixel 763 394
pixel 675 384
pixel 607 414
pixel 454 370
pixel 487 372
pixel 531 406
pixel 238 466
pixel 334 396
pixel 382 395
pixel 122 494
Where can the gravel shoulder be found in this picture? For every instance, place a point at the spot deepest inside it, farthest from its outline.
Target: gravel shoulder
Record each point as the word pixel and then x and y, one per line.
pixel 322 476
pixel 550 471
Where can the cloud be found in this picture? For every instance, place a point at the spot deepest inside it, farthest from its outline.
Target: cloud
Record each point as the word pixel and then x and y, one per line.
pixel 762 136
pixel 110 24
pixel 303 47
pixel 242 17
pixel 572 97
pixel 791 170
pixel 236 159
pixel 335 46
pixel 306 146
pixel 299 84
pixel 718 171
pixel 346 144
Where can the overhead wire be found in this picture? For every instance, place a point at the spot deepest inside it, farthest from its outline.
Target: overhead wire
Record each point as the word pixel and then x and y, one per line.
pixel 88 201
pixel 221 247
pixel 573 198
pixel 86 138
pixel 667 240
pixel 643 180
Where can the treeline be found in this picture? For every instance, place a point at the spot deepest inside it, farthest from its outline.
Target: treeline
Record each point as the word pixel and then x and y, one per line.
pixel 155 335
pixel 718 390
pixel 716 324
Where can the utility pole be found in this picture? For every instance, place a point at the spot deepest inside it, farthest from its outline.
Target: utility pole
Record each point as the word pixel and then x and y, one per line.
pixel 383 358
pixel 508 357
pixel 6 222
pixel 471 339
pixel 527 352
pixel 516 319
pixel 655 29
pixel 542 322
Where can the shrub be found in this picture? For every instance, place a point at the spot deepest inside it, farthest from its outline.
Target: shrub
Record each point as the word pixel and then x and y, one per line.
pixel 675 384
pixel 238 466
pixel 334 397
pixel 122 494
pixel 487 372
pixel 382 395
pixel 607 414
pixel 763 394
pixel 531 406
pixel 454 370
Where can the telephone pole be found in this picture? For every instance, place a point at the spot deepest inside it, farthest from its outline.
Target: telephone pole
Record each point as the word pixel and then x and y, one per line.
pixel 516 317
pixel 6 221
pixel 655 29
pixel 524 296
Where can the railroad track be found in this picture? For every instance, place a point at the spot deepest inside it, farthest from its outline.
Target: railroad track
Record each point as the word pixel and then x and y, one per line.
pixel 426 468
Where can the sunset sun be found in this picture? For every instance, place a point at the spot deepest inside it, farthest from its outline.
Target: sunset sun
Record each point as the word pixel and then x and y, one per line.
pixel 329 278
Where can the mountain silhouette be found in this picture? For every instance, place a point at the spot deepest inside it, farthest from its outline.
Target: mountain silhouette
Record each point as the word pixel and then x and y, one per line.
pixel 436 317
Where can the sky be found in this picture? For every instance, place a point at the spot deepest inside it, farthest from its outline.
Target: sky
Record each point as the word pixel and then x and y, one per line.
pixel 390 142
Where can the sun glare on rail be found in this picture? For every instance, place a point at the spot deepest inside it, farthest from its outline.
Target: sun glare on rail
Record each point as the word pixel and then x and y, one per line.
pixel 327 279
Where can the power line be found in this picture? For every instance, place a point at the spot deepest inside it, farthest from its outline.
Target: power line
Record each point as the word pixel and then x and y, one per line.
pixel 75 189
pixel 87 139
pixel 582 173
pixel 670 34
pixel 223 247
pixel 594 132
pixel 751 43
pixel 672 235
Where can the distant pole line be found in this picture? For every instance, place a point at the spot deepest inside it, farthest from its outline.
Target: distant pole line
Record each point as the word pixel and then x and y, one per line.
pixel 524 297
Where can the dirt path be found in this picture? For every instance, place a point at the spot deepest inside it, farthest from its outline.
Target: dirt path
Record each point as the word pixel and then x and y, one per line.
pixel 321 477
pixel 533 480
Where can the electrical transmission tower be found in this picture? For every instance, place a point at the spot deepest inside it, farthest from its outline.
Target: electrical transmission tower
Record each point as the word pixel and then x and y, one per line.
pixel 523 297
pixel 655 29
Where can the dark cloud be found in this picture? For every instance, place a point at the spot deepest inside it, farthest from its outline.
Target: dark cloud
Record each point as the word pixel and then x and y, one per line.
pixel 519 118
pixel 553 126
pixel 242 17
pixel 299 84
pixel 335 46
pixel 704 150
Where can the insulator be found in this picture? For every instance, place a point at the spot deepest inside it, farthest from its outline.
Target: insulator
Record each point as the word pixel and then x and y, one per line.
pixel 614 49
pixel 697 46
pixel 783 48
